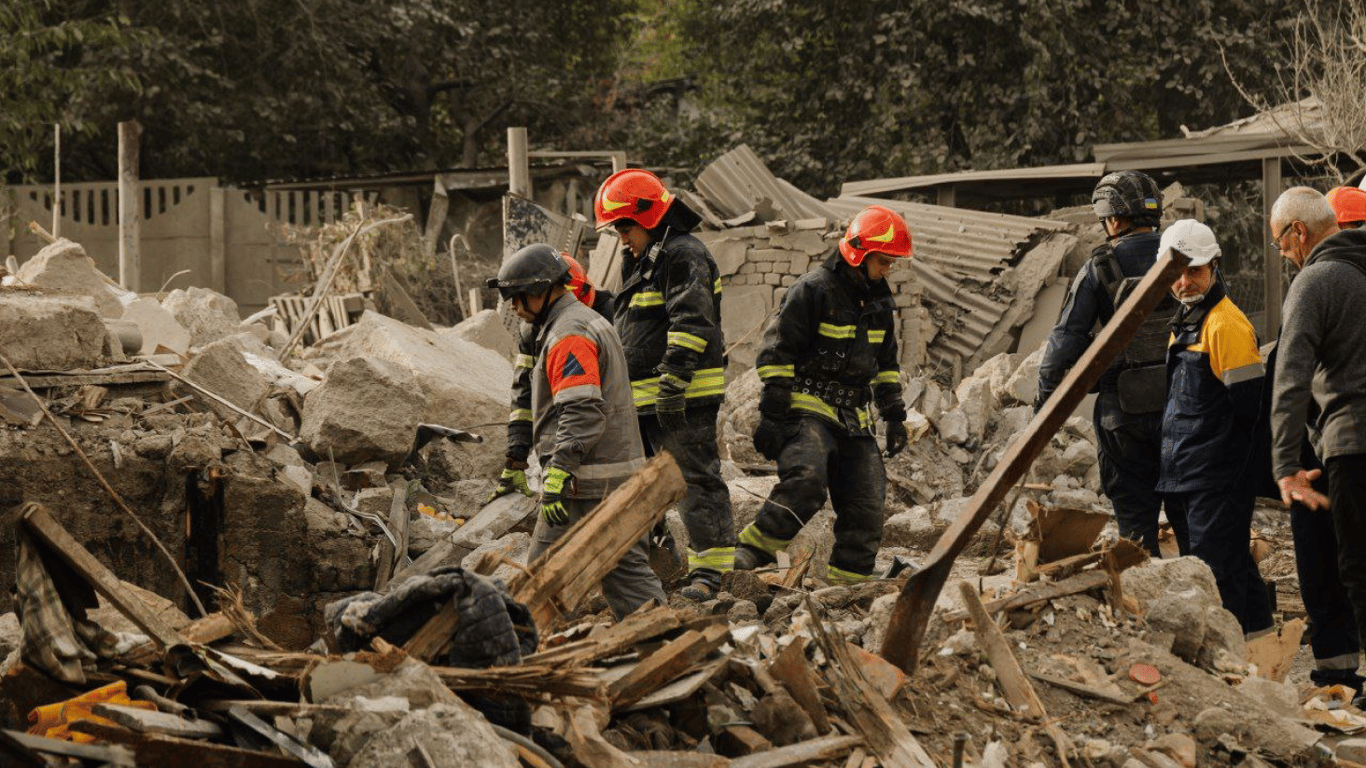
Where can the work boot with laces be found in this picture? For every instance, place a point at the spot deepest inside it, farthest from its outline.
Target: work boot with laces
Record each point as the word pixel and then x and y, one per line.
pixel 703 584
pixel 748 558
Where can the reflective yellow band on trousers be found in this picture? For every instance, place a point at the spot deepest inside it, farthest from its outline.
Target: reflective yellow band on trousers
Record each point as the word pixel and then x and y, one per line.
pixel 777 371
pixel 837 331
pixel 841 577
pixel 705 383
pixel 648 299
pixel 719 559
pixel 687 341
pixel 520 414
pixel 756 538
pixel 526 361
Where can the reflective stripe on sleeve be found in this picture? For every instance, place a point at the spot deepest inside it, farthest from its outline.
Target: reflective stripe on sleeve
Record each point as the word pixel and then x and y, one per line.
pixel 876 337
pixel 647 299
pixel 526 361
pixel 841 577
pixel 687 341
pixel 887 377
pixel 1244 373
pixel 706 382
pixel 777 371
pixel 520 414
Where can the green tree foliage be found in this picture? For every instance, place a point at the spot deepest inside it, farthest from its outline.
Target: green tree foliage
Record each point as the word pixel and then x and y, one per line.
pixel 829 90
pixel 251 89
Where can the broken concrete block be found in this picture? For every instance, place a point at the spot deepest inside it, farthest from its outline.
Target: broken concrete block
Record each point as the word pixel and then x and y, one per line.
pixel 953 427
pixel 1182 614
pixel 997 371
pixel 462 384
pixel 912 528
pixel 1281 698
pixel 1353 749
pixel 488 331
pixel 425 532
pixel 448 735
pixel 208 315
pixel 159 327
pixel 977 403
pixel 64 268
pixel 1225 648
pixel 367 410
pixel 1147 582
pixel 339 548
pixel 729 253
pixel 512 548
pixel 1023 384
pixel 222 368
pixel 52 333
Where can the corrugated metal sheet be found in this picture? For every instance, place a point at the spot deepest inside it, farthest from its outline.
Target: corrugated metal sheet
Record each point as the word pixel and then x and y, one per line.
pixel 1303 115
pixel 880 186
pixel 738 181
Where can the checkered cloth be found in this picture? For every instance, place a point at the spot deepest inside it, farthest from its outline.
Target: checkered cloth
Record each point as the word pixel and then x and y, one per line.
pixel 52 604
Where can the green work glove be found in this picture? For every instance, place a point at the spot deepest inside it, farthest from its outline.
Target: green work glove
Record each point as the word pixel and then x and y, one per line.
pixel 670 407
pixel 552 501
pixel 512 479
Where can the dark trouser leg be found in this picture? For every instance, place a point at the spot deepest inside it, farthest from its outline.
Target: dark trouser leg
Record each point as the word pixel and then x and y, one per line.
pixel 1129 448
pixel 1334 638
pixel 629 585
pixel 1347 499
pixel 858 489
pixel 803 467
pixel 706 508
pixel 1220 521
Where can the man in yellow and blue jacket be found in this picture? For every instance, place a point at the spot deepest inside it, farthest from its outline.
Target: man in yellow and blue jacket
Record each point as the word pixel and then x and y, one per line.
pixel 827 357
pixel 1214 385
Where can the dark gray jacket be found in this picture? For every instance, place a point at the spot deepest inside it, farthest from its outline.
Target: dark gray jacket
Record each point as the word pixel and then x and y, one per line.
pixel 1322 354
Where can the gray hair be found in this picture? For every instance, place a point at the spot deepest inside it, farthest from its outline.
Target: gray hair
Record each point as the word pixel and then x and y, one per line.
pixel 1307 205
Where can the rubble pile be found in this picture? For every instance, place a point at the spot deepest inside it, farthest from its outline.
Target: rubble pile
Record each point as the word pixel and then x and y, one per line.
pixel 363 606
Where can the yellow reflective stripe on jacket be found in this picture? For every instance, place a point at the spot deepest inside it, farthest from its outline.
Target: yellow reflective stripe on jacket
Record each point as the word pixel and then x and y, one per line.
pixel 687 341
pixel 777 371
pixel 526 361
pixel 841 577
pixel 837 331
pixel 1244 373
pixel 648 299
pixel 720 559
pixel 705 383
pixel 520 414
pixel 752 536
pixel 876 337
pixel 887 377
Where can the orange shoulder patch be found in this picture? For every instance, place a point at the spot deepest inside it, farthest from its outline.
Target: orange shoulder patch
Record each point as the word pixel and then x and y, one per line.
pixel 572 362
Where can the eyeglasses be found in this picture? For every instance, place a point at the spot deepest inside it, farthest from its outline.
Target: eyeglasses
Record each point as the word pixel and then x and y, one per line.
pixel 1275 244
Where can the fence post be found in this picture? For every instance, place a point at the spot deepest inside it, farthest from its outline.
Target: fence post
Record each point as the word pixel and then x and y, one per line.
pixel 218 260
pixel 56 180
pixel 519 168
pixel 130 199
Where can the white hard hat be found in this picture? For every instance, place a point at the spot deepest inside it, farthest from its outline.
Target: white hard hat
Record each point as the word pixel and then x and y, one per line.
pixel 1191 238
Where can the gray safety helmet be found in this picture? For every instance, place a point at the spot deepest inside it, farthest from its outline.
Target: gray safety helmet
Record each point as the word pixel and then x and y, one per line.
pixel 532 270
pixel 1130 194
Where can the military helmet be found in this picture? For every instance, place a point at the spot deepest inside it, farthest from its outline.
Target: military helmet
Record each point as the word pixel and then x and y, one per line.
pixel 1130 194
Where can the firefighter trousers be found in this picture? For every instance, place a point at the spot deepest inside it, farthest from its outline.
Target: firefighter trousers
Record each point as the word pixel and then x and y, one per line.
pixel 705 508
pixel 818 456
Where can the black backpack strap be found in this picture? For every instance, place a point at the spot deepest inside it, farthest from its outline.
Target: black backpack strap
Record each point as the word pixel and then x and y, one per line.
pixel 1108 271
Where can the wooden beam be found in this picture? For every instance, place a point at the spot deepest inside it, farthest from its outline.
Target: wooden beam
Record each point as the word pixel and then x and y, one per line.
pixel 435 634
pixel 671 661
pixel 800 754
pixel 911 614
pixel 206 630
pixel 1014 684
pixel 47 530
pixel 1072 585
pixel 575 564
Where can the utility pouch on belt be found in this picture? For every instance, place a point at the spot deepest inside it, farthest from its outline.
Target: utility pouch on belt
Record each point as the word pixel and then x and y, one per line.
pixel 1143 390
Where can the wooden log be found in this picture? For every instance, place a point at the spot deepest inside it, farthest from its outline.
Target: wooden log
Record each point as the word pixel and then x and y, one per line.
pixel 911 614
pixel 1082 689
pixel 1014 684
pixel 47 530
pixel 575 564
pixel 671 661
pixel 800 754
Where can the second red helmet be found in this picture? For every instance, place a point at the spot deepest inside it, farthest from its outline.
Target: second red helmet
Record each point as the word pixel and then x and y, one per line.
pixel 633 194
pixel 876 229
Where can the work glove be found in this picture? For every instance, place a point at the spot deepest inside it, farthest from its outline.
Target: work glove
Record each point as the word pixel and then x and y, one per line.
pixel 770 436
pixel 670 406
pixel 552 500
pixel 512 479
pixel 897 437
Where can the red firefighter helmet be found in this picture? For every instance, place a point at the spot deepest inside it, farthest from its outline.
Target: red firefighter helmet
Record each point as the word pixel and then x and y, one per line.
pixel 578 283
pixel 633 194
pixel 1349 204
pixel 876 230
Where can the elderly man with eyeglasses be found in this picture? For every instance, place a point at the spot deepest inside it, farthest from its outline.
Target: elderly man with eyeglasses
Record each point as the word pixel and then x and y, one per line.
pixel 1321 361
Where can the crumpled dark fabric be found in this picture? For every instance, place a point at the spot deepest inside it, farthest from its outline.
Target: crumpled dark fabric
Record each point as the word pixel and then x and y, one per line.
pixel 494 629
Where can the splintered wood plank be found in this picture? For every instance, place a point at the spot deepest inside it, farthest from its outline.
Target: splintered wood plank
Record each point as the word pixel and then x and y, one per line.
pixel 671 661
pixel 615 639
pixel 791 669
pixel 743 740
pixel 1014 684
pixel 575 564
pixel 47 530
pixel 150 721
pixel 205 631
pixel 800 754
pixel 1082 582
pixel 663 759
pixel 435 634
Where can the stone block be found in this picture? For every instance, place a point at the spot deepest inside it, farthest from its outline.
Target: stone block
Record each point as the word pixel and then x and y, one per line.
pixel 799 264
pixel 912 528
pixel 773 278
pixel 158 326
pixel 462 384
pixel 730 255
pixel 52 333
pixel 208 315
pixel 1023 384
pixel 953 426
pixel 977 403
pixel 806 241
pixel 367 410
pixel 747 268
pixel 222 368
pixel 64 268
pixel 487 330
pixel 448 734
pixel 788 280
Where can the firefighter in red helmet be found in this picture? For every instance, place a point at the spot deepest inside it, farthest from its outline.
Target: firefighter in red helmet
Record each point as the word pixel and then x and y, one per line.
pixel 668 315
pixel 829 355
